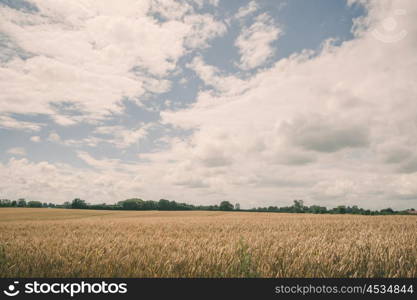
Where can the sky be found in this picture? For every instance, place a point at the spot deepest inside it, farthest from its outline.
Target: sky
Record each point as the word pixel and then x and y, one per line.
pixel 201 101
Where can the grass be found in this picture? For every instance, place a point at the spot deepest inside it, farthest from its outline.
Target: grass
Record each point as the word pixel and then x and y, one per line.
pixel 91 243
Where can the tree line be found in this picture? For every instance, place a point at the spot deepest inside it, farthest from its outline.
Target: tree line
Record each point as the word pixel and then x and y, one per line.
pixel 23 203
pixel 299 207
pixel 163 204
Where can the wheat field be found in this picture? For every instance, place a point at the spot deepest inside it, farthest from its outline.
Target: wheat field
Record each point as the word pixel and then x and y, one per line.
pixel 87 243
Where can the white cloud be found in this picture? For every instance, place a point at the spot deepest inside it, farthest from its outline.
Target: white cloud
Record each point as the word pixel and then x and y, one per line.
pixel 200 3
pixel 60 182
pixel 325 135
pixel 19 151
pixel 203 28
pixel 170 9
pixel 35 139
pixel 255 42
pixel 11 123
pixel 249 9
pixel 95 53
pixel 315 116
pixel 90 141
pixel 212 77
pixel 123 137
pixel 54 137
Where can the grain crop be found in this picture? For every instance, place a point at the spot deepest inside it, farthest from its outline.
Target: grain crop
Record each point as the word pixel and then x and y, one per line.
pixel 90 243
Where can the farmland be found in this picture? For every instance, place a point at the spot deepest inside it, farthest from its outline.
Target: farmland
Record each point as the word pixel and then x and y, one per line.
pixel 41 242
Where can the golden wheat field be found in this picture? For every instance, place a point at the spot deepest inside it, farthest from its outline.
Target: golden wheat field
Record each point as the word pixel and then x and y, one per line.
pixel 90 243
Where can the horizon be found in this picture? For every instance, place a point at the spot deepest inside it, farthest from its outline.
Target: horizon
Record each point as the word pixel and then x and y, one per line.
pixel 198 206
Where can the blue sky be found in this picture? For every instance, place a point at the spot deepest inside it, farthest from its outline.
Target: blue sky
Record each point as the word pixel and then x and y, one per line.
pixel 256 102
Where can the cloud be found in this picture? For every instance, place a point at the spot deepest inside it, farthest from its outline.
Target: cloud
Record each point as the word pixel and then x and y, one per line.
pixel 95 54
pixel 102 164
pixel 281 153
pixel 54 137
pixel 333 189
pixel 324 135
pixel 19 151
pixel 123 137
pixel 60 182
pixel 334 126
pixel 203 28
pixel 404 187
pixel 212 77
pixel 408 166
pixel 169 9
pixel 201 3
pixel 246 10
pixel 35 139
pixel 118 136
pixel 7 122
pixel 255 42
pixel 325 116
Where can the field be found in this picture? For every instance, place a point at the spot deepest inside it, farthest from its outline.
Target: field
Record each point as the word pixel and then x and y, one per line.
pixel 91 243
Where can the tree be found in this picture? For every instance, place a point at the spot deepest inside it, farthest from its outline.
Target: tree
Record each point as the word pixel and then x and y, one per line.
pixel 150 205
pixel 237 206
pixel 35 204
pixel 21 202
pixel 165 205
pixel 78 203
pixel 341 209
pixel 298 206
pixel 5 202
pixel 387 211
pixel 315 209
pixel 132 204
pixel 226 205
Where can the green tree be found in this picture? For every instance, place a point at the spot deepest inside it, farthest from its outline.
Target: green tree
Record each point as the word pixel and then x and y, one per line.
pixel 5 202
pixel 226 205
pixel 298 206
pixel 21 202
pixel 387 211
pixel 165 205
pixel 35 204
pixel 78 203
pixel 132 204
pixel 315 209
pixel 150 205
pixel 341 209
